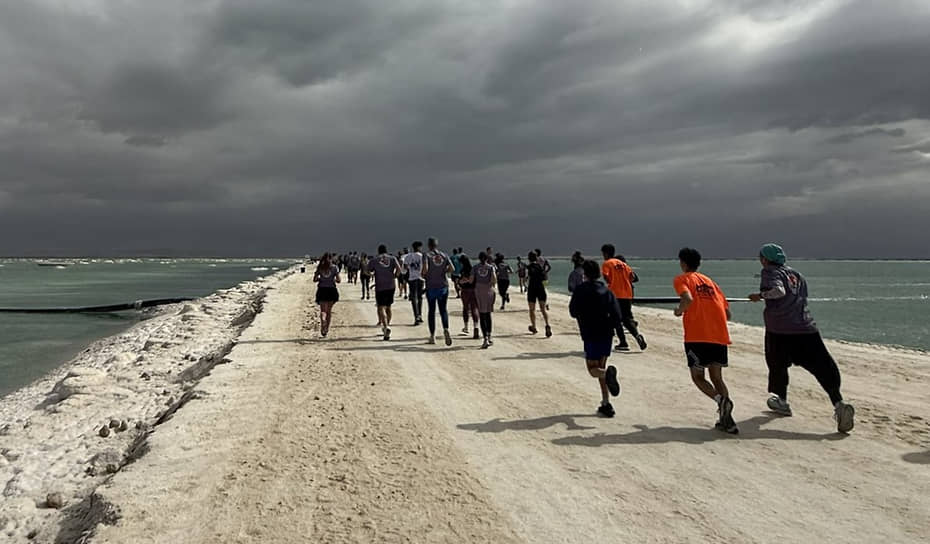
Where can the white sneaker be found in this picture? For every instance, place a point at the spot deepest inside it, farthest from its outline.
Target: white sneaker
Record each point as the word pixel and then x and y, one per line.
pixel 778 405
pixel 845 416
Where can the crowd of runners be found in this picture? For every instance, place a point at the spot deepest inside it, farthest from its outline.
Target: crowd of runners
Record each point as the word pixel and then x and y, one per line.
pixel 602 303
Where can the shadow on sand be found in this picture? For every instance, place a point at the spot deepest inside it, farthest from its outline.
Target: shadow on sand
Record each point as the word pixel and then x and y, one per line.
pixel 499 425
pixel 532 356
pixel 750 429
pixel 918 457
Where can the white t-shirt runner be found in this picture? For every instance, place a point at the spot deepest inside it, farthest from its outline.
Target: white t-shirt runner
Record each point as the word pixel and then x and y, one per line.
pixel 413 262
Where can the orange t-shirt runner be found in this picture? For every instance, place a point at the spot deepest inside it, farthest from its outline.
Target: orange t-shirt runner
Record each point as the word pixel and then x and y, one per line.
pixel 617 275
pixel 706 319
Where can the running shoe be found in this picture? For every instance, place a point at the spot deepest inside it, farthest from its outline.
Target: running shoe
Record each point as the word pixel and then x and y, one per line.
pixel 465 329
pixel 726 423
pixel 431 340
pixel 476 335
pixel 387 333
pixel 485 344
pixel 490 342
pixel 448 337
pixel 622 347
pixel 613 385
pixel 606 410
pixel 779 406
pixel 548 331
pixel 641 341
pixel 532 329
pixel 845 417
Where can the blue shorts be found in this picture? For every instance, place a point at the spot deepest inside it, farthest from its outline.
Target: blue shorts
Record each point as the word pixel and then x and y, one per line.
pixel 597 350
pixel 436 294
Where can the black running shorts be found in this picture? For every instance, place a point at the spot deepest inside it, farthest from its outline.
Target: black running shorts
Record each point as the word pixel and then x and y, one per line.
pixel 536 294
pixel 385 298
pixel 703 354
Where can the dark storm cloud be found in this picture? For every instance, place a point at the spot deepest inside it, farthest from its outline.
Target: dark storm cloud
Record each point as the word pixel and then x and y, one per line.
pixel 278 127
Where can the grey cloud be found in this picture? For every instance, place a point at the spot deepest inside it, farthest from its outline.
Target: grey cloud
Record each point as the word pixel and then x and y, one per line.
pixel 847 137
pixel 236 127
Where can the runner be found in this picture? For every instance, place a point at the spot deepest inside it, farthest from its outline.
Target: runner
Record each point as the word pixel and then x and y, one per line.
pixel 483 278
pixel 705 313
pixel 402 278
pixel 467 290
pixel 598 314
pixel 435 267
pixel 792 337
pixel 386 270
pixel 577 276
pixel 456 270
pixel 365 274
pixel 503 279
pixel 521 274
pixel 619 278
pixel 327 294
pixel 536 292
pixel 544 263
pixel 413 263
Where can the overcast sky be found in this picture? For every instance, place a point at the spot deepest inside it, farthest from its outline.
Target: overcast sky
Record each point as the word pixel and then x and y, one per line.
pixel 283 127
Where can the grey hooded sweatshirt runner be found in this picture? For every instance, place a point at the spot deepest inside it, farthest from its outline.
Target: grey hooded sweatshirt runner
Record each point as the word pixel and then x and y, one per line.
pixel 785 292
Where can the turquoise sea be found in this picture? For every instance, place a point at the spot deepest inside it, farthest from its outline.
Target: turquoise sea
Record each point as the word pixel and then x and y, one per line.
pixel 877 302
pixel 33 344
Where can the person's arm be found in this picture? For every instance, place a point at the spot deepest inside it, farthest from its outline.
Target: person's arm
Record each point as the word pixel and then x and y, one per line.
pixel 450 268
pixel 337 279
pixel 316 275
pixel 613 311
pixel 573 306
pixel 684 303
pixel 771 288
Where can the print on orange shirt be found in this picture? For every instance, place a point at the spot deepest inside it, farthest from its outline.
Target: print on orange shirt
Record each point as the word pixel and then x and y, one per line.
pixel 706 318
pixel 617 274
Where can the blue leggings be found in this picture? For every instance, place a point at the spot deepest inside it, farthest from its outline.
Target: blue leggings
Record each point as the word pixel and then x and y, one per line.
pixel 440 296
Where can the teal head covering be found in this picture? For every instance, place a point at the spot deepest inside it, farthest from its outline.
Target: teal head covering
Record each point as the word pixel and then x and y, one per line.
pixel 774 253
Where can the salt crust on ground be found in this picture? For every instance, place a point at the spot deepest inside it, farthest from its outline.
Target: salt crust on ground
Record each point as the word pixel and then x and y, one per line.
pixel 68 432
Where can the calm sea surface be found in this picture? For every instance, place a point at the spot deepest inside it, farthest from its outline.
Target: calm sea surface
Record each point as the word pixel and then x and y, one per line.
pixel 32 345
pixel 880 302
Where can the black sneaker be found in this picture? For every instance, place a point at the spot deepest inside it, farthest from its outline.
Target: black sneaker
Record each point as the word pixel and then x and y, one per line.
pixel 641 341
pixel 606 410
pixel 533 330
pixel 613 385
pixel 548 331
pixel 622 347
pixel 726 422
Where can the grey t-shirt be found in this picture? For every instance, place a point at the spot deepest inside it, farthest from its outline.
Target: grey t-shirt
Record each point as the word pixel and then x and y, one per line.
pixel 414 265
pixel 575 279
pixel 788 313
pixel 482 274
pixel 438 262
pixel 385 268
pixel 504 271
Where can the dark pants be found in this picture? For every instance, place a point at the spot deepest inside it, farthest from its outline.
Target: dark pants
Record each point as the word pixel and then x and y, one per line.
pixel 502 287
pixel 437 297
pixel 626 320
pixel 416 297
pixel 485 320
pixel 366 286
pixel 808 352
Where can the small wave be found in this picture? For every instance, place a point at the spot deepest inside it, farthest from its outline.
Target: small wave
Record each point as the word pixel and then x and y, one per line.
pixel 259 268
pixel 868 299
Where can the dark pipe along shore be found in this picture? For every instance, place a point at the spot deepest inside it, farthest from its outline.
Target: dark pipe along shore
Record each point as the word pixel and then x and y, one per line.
pixel 137 305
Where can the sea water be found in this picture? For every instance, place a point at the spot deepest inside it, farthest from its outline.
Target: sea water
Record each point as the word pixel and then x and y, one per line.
pixel 876 302
pixel 33 344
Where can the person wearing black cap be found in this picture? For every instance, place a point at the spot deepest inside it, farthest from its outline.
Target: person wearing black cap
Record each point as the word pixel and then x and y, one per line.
pixel 792 337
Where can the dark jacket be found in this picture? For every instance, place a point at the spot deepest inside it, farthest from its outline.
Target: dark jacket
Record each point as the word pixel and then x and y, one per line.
pixel 596 310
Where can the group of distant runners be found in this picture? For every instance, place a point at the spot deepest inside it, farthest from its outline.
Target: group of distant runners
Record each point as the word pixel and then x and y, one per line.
pixel 602 303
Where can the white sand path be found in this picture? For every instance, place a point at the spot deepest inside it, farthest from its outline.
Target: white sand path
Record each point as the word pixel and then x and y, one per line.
pixel 352 439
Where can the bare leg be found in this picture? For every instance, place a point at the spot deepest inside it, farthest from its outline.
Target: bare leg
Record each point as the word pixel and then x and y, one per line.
pixel 697 376
pixel 598 369
pixel 716 377
pixel 533 315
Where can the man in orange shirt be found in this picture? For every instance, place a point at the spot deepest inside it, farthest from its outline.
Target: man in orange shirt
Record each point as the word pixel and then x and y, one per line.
pixel 619 278
pixel 706 312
